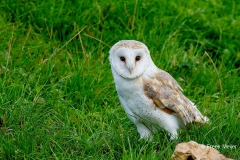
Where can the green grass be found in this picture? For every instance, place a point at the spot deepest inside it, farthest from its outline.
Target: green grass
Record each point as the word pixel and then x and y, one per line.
pixel 57 96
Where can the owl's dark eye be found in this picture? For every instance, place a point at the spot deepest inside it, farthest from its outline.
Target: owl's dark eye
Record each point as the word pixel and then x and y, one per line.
pixel 122 58
pixel 138 58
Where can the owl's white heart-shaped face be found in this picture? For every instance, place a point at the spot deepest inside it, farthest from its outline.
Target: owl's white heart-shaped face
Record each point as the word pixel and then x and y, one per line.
pixel 129 58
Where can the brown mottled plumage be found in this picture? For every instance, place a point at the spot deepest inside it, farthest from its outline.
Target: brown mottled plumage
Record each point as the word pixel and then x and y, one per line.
pixel 136 45
pixel 166 94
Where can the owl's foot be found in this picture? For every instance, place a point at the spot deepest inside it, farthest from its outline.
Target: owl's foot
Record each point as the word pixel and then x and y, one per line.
pixel 173 136
pixel 144 131
pixel 146 138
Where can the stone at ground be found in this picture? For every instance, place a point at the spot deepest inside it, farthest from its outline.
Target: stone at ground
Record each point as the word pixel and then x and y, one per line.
pixel 194 151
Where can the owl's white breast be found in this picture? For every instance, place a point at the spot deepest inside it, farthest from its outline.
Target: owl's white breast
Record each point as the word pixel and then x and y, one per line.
pixel 137 105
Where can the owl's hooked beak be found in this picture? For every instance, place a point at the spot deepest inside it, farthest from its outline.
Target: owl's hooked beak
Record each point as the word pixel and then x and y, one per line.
pixel 130 70
pixel 130 65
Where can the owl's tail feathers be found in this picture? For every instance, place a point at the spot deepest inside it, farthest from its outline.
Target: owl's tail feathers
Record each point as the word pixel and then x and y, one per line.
pixel 198 120
pixel 198 117
pixel 201 119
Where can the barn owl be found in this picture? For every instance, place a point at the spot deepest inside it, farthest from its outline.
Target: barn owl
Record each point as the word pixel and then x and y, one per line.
pixel 151 97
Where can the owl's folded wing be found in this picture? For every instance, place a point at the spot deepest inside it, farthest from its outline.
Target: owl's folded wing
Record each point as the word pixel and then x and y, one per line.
pixel 166 95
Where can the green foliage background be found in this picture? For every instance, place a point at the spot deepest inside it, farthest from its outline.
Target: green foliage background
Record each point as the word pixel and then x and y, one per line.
pixel 57 96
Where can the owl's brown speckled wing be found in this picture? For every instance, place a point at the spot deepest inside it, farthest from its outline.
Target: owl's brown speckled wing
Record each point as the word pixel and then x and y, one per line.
pixel 166 95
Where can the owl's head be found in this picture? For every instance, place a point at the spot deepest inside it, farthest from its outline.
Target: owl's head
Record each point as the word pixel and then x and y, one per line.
pixel 129 58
